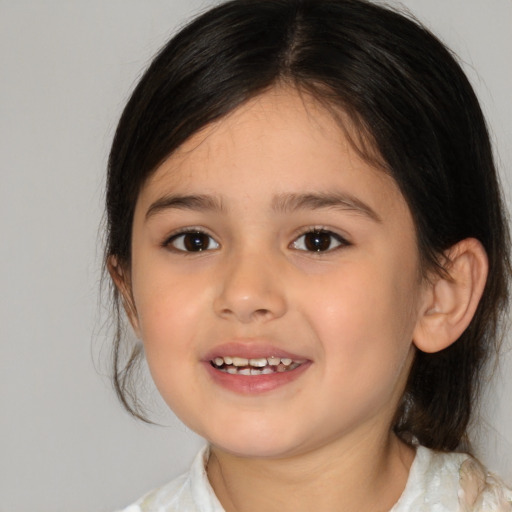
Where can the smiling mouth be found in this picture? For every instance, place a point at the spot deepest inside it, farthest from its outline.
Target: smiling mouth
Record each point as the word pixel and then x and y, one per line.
pixel 258 366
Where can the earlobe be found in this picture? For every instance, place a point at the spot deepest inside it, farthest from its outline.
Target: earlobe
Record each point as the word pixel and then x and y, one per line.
pixel 450 300
pixel 122 283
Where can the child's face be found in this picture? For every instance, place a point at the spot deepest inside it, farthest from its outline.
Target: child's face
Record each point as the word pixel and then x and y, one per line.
pixel 307 253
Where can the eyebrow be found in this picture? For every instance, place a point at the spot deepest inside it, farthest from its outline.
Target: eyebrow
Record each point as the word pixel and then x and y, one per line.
pixel 191 202
pixel 316 201
pixel 282 203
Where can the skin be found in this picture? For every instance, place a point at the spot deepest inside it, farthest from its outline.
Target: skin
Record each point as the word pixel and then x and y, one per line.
pixel 321 441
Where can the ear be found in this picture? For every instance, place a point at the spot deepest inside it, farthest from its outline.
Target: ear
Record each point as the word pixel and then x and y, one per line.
pixel 121 280
pixel 450 300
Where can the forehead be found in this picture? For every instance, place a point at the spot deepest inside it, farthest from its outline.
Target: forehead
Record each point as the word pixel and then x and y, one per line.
pixel 281 142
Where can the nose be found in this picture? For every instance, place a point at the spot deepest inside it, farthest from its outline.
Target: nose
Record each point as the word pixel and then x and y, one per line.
pixel 250 290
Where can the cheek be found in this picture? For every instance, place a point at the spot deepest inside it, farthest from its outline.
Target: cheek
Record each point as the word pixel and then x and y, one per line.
pixel 364 316
pixel 366 347
pixel 169 309
pixel 167 331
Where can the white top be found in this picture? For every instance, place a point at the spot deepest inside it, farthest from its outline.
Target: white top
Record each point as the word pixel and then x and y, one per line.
pixel 438 482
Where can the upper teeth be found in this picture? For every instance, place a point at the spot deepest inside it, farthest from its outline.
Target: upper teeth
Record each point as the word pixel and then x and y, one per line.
pixel 259 362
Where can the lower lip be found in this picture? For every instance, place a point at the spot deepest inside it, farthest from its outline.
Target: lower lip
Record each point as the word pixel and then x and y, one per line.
pixel 255 384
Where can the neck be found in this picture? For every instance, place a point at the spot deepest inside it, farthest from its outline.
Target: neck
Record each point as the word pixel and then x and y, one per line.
pixel 348 475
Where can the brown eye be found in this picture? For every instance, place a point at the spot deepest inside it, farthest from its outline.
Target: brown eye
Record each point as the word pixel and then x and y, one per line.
pixel 318 241
pixel 193 242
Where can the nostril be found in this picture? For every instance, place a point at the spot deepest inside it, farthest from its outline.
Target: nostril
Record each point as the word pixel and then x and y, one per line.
pixel 247 315
pixel 261 312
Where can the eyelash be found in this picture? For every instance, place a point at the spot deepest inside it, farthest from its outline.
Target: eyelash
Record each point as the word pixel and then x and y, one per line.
pixel 317 232
pixel 200 233
pixel 168 242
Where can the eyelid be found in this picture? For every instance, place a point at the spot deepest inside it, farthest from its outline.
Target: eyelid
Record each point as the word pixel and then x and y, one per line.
pixel 167 242
pixel 343 241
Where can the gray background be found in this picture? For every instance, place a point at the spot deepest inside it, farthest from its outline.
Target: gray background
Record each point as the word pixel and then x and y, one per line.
pixel 67 68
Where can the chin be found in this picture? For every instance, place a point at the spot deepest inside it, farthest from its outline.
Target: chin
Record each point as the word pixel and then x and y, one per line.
pixel 253 450
pixel 257 442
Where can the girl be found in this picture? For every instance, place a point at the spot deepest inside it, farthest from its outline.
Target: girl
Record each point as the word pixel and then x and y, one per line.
pixel 306 231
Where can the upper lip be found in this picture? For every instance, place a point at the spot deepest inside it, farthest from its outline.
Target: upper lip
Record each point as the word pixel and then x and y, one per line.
pixel 251 349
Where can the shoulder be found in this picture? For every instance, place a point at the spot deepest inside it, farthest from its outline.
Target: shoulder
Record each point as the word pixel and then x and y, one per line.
pixel 166 498
pixel 448 482
pixel 190 492
pixel 482 490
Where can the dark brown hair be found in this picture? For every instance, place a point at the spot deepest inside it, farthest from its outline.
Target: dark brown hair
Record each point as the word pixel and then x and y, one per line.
pixel 406 95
